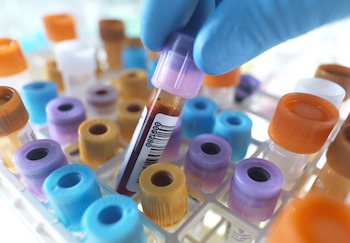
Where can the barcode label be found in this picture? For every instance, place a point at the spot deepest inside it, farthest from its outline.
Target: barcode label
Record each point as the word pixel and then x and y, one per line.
pixel 26 134
pixel 153 147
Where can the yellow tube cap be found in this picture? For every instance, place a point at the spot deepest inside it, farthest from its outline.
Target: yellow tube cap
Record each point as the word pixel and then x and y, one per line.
pixel 51 73
pixel 315 219
pixel 128 113
pixel 12 60
pixel 163 193
pixel 98 141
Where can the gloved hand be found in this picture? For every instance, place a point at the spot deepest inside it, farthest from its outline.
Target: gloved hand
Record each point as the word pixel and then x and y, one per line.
pixel 231 32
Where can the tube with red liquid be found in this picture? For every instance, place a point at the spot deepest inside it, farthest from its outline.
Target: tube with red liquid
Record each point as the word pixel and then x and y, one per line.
pixel 175 79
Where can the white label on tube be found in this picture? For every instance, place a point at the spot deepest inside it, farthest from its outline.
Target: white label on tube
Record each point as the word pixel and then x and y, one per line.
pixel 235 234
pixel 153 147
pixel 26 134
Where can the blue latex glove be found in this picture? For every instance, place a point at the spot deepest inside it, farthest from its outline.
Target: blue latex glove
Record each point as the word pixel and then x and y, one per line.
pixel 231 32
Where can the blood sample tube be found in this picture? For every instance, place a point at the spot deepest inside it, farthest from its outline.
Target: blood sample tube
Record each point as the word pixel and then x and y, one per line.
pixel 299 127
pixel 13 66
pixel 176 79
pixel 221 89
pixel 15 130
pixel 334 177
pixel 112 34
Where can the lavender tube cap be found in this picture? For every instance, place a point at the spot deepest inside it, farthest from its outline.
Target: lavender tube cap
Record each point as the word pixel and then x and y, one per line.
pixel 36 160
pixel 176 72
pixel 64 116
pixel 100 96
pixel 207 161
pixel 255 187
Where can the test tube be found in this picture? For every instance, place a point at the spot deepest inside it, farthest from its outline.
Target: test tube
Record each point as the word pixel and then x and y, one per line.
pixel 113 219
pixel 221 89
pixel 64 115
pixel 236 128
pixel 176 79
pixel 134 54
pixel 254 190
pixel 323 88
pixel 299 127
pixel 53 74
pixel 131 83
pixel 35 97
pixel 77 62
pixel 13 66
pixel 98 141
pixel 129 112
pixel 59 27
pixel 207 161
pixel 35 160
pixel 198 117
pixel 334 177
pixel 248 85
pixel 113 37
pixel 102 101
pixel 163 194
pixel 70 190
pixel 15 129
pixel 315 218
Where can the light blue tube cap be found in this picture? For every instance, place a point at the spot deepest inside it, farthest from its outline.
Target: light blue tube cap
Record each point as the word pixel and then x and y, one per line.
pixel 70 190
pixel 134 57
pixel 236 128
pixel 35 96
pixel 198 117
pixel 113 219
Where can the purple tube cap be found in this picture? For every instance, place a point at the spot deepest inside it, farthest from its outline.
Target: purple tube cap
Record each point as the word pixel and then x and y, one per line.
pixel 176 72
pixel 39 158
pixel 255 187
pixel 101 95
pixel 65 111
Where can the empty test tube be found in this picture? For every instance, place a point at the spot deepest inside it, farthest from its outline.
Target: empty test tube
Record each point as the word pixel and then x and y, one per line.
pixel 98 141
pixel 113 219
pixel 176 79
pixel 334 177
pixel 198 117
pixel 299 127
pixel 113 37
pixel 102 101
pixel 15 129
pixel 207 161
pixel 236 128
pixel 254 190
pixel 314 219
pixel 70 190
pixel 77 63
pixel 35 97
pixel 64 115
pixel 35 160
pixel 163 194
pixel 13 66
pixel 221 89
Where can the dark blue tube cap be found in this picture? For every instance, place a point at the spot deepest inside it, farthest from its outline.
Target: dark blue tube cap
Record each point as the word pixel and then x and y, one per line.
pixel 236 128
pixel 198 117
pixel 35 96
pixel 70 190
pixel 113 219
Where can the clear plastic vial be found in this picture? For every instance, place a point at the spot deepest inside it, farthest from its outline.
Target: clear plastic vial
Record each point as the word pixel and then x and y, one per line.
pixel 13 66
pixel 176 79
pixel 15 129
pixel 299 127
